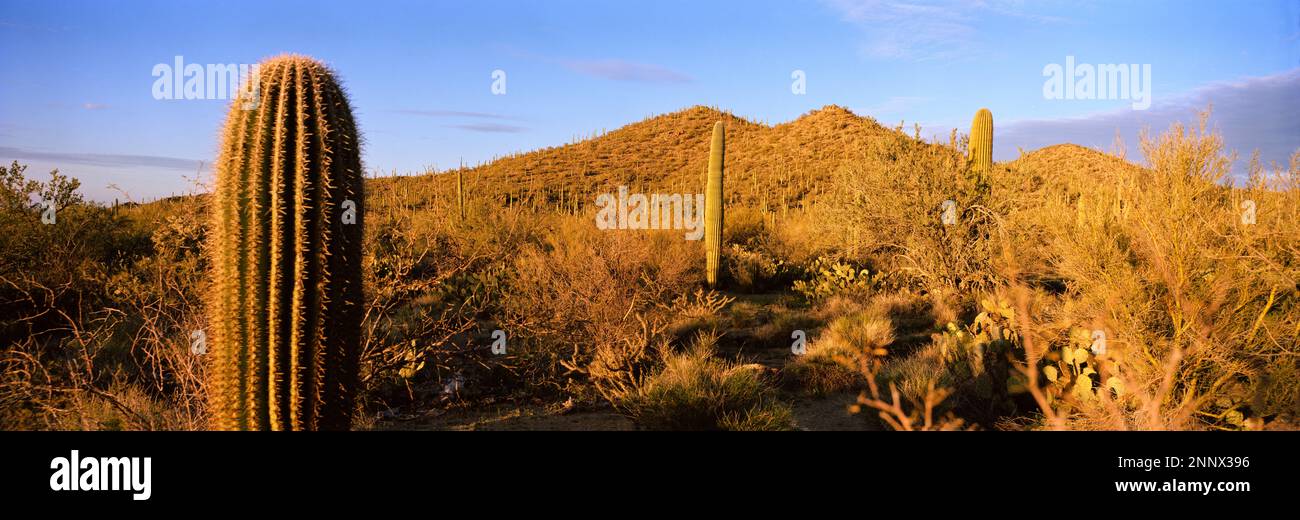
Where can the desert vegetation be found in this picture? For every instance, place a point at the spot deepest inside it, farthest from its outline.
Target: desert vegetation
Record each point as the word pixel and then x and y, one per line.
pixel 865 277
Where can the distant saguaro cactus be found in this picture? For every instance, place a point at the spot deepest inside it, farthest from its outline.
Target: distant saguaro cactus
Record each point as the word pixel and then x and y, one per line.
pixel 981 144
pixel 713 211
pixel 287 243
pixel 460 192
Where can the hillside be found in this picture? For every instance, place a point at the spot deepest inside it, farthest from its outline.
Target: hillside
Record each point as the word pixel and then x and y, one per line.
pixel 1073 159
pixel 767 165
pixel 786 161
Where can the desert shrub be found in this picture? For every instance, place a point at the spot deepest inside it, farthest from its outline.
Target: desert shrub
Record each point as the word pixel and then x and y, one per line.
pixel 799 239
pixel 833 361
pixel 702 310
pixel 752 270
pixel 756 250
pixel 1198 308
pixel 582 289
pixel 694 390
pixel 104 306
pixel 618 369
pixel 433 283
pixel 891 209
pixel 745 226
pixel 50 270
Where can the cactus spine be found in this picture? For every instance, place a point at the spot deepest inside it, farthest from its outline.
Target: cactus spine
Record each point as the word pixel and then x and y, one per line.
pixel 713 211
pixel 981 144
pixel 287 236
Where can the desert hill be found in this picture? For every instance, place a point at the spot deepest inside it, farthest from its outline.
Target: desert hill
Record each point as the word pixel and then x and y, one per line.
pixel 1074 159
pixel 767 165
pixel 764 163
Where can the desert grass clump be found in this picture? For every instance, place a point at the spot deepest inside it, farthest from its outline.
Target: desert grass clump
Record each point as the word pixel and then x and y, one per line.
pixel 287 238
pixel 833 361
pixel 695 390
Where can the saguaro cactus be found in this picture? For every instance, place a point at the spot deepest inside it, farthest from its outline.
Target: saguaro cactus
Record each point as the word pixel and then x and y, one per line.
pixel 713 210
pixel 981 144
pixel 286 247
pixel 460 191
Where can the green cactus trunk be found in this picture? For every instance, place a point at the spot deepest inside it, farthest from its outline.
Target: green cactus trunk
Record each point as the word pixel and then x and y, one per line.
pixel 713 211
pixel 287 242
pixel 981 145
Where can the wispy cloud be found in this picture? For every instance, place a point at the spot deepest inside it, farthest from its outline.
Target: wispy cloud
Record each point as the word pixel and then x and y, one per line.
pixel 94 106
pixel 1253 113
pixel 9 153
pixel 926 29
pixel 611 68
pixel 491 128
pixel 623 70
pixel 454 113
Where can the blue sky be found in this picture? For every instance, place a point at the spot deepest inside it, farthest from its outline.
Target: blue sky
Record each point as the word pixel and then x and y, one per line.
pixel 77 89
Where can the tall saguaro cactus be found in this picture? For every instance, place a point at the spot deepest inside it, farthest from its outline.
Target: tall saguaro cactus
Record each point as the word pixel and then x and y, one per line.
pixel 460 191
pixel 713 210
pixel 981 144
pixel 286 246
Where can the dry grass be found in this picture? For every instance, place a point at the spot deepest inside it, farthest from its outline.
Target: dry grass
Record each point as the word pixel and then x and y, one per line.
pixel 1201 313
pixel 831 363
pixel 694 390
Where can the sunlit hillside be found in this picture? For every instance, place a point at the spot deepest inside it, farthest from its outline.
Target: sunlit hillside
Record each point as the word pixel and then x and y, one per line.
pixel 768 165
